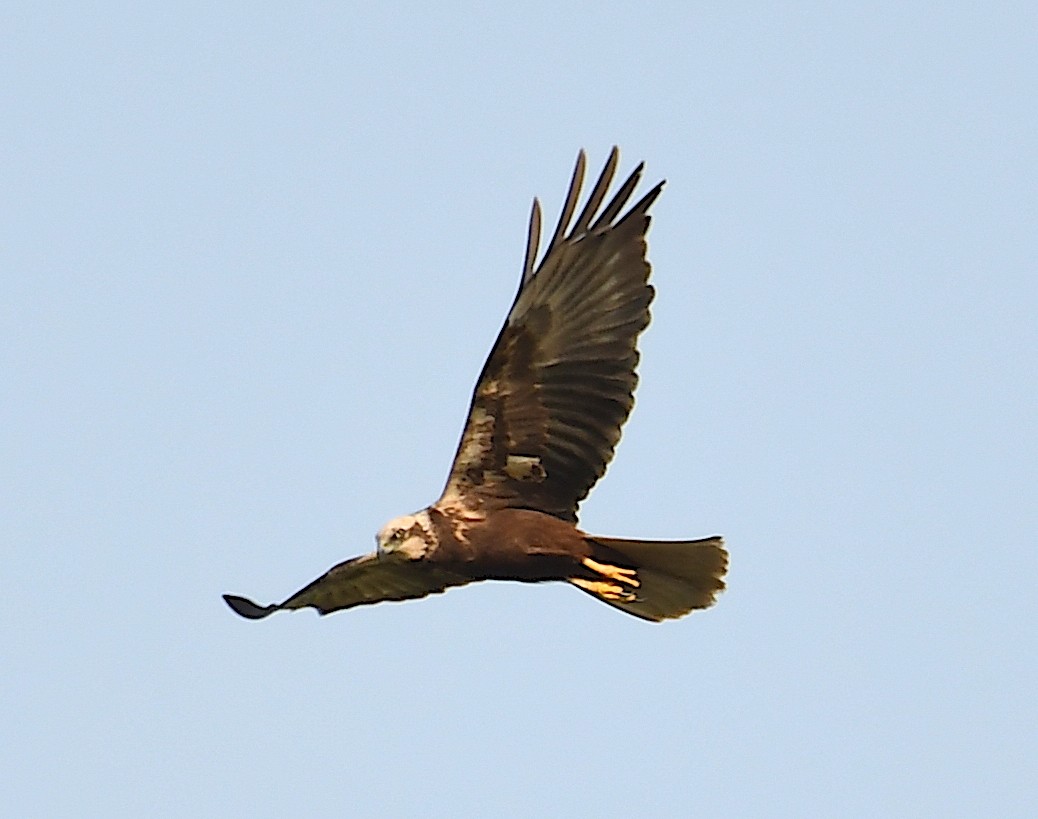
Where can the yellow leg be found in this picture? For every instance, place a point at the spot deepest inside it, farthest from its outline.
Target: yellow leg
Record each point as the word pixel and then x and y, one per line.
pixel 628 576
pixel 607 591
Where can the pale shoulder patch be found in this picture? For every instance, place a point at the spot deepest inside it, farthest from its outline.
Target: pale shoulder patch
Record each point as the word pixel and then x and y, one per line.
pixel 526 468
pixel 475 445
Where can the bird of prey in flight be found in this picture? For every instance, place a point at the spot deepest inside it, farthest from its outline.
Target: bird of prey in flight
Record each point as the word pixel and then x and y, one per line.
pixel 544 421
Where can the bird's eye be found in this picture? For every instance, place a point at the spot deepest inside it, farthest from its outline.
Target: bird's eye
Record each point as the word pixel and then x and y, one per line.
pixel 398 534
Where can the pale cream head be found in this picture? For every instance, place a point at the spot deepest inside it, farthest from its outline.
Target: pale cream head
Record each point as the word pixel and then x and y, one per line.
pixel 410 536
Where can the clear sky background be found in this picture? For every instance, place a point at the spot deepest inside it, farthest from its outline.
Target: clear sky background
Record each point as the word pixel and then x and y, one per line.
pixel 253 257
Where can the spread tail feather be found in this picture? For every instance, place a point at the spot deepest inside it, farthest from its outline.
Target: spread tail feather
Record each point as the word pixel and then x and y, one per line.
pixel 655 579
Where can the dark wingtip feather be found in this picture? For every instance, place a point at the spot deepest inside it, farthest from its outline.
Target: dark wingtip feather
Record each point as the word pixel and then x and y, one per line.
pixel 533 241
pixel 575 184
pixel 246 608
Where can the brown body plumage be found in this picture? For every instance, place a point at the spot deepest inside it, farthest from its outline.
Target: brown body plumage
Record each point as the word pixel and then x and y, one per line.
pixel 544 421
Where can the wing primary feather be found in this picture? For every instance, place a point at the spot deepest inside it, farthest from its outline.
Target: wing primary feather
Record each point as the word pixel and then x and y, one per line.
pixel 533 239
pixel 643 205
pixel 620 199
pixel 597 194
pixel 571 202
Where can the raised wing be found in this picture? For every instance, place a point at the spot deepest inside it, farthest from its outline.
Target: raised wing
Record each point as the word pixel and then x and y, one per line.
pixel 358 582
pixel 547 410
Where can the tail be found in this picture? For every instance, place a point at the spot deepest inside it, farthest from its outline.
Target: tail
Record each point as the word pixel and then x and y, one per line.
pixel 655 579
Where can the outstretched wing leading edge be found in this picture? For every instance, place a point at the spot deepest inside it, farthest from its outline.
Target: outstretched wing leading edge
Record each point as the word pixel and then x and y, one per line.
pixel 547 410
pixel 363 580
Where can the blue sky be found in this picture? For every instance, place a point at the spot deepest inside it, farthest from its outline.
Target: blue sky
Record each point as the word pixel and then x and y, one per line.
pixel 253 258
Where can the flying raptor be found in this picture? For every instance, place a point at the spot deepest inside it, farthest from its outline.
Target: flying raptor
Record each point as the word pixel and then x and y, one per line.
pixel 544 421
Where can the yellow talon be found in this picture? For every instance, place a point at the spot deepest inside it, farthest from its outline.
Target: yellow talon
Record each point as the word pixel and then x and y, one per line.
pixel 608 591
pixel 620 575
